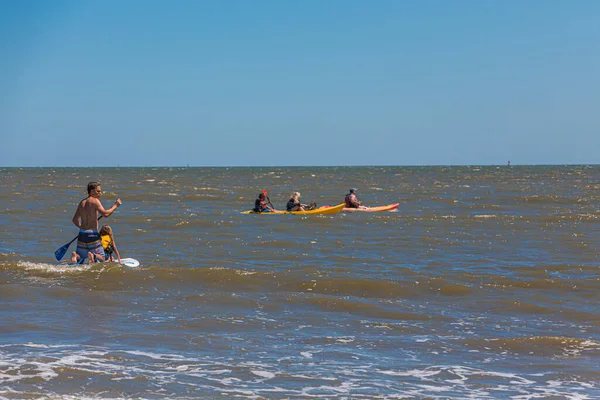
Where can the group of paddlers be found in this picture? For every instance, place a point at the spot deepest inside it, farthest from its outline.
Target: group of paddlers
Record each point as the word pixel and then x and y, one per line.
pixel 263 203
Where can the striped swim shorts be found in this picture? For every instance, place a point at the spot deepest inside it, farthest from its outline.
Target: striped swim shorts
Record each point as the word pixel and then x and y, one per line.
pixel 89 241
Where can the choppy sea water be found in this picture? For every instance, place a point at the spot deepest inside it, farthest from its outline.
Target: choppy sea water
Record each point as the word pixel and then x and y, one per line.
pixel 483 284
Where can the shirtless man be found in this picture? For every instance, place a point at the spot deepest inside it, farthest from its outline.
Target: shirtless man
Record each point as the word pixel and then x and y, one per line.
pixel 89 243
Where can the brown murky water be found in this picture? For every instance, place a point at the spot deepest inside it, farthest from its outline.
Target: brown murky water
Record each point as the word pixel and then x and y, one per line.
pixel 483 284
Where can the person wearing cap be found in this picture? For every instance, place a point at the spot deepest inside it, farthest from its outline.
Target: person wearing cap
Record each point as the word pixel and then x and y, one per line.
pixel 351 200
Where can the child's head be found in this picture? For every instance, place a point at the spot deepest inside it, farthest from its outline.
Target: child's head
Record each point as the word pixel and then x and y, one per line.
pixel 105 230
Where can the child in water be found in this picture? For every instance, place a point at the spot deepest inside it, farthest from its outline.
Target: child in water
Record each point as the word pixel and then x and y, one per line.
pixel 108 243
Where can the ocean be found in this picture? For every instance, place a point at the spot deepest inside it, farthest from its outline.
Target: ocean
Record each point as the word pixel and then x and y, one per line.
pixel 483 284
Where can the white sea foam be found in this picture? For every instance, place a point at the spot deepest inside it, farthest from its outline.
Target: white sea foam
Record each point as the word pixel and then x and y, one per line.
pixel 155 356
pixel 413 372
pixel 264 374
pixel 431 388
pixel 58 268
pixel 167 370
pixel 342 339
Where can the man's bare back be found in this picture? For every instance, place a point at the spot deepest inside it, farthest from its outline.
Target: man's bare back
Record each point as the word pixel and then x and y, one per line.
pixel 86 216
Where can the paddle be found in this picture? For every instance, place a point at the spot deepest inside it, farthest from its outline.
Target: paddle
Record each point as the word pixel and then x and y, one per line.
pixel 60 253
pixel 268 199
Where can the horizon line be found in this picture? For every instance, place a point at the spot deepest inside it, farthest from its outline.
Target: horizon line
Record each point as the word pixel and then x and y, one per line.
pixel 305 166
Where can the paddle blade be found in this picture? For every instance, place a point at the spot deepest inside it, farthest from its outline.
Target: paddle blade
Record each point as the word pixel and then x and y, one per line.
pixel 60 253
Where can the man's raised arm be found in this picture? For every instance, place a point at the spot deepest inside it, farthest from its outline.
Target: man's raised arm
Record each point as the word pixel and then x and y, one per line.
pixel 108 213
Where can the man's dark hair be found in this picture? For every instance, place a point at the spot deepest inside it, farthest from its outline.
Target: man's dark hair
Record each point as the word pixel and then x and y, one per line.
pixel 92 186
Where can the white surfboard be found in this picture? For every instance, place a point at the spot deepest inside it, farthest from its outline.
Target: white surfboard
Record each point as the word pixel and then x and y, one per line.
pixel 130 262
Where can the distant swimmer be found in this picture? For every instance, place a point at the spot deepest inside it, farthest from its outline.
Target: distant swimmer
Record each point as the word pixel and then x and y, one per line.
pixel 89 243
pixel 352 201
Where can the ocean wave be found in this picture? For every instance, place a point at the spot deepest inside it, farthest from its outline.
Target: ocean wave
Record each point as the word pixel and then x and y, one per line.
pixel 96 372
pixel 543 346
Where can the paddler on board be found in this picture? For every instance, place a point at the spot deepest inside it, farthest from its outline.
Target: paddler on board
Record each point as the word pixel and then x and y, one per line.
pixel 263 204
pixel 89 242
pixel 352 201
pixel 294 204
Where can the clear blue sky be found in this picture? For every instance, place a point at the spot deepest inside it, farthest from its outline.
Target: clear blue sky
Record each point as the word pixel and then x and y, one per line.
pixel 312 82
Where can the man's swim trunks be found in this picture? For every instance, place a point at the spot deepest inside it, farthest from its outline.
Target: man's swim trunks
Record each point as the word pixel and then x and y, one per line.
pixel 89 241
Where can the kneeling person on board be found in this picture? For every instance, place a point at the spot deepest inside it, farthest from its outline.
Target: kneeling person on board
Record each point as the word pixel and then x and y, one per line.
pixel 262 205
pixel 89 243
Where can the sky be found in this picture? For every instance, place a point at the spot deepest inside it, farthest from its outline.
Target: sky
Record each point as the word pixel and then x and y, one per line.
pixel 299 83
